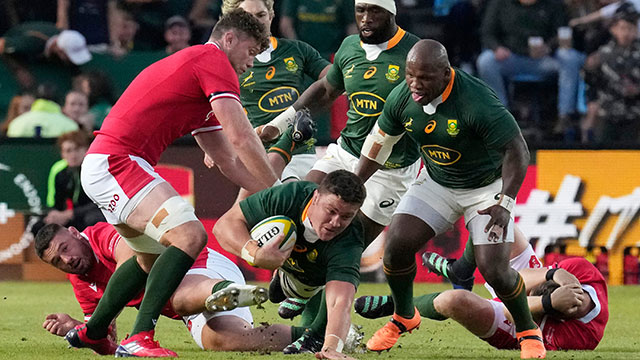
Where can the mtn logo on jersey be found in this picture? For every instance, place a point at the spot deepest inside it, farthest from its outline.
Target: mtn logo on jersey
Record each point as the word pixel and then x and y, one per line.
pixel 440 154
pixel 366 104
pixel 278 99
pixel 392 73
pixel 290 64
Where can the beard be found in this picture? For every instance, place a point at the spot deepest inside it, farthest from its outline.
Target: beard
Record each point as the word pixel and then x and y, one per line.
pixel 379 35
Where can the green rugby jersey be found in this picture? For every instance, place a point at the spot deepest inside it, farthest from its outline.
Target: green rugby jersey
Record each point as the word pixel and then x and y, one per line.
pixel 267 89
pixel 367 84
pixel 316 263
pixel 462 142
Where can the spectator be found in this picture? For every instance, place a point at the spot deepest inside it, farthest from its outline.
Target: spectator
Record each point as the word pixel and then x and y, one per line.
pixel 124 32
pixel 518 37
pixel 76 107
pixel 44 40
pixel 614 74
pixel 323 24
pixel 99 88
pixel 89 17
pixel 177 34
pixel 68 203
pixel 45 119
pixel 18 105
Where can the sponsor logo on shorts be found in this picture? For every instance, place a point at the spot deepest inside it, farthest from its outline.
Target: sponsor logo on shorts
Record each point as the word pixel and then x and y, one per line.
pixel 113 203
pixel 278 99
pixel 366 104
pixel 386 203
pixel 440 154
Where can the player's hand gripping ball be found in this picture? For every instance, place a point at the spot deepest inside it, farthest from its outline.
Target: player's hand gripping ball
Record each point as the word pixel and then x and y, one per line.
pixel 271 227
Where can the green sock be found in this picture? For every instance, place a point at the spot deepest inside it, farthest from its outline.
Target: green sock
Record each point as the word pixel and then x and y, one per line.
pixel 125 283
pixel 319 324
pixel 515 301
pixel 220 285
pixel 464 267
pixel 311 310
pixel 401 284
pixel 424 304
pixel 296 332
pixel 165 276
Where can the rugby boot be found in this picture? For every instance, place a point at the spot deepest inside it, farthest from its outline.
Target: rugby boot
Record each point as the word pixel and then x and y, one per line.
pixel 441 266
pixel 531 344
pixel 308 343
pixel 236 295
pixel 77 337
pixel 292 307
pixel 373 307
pixel 388 335
pixel 142 345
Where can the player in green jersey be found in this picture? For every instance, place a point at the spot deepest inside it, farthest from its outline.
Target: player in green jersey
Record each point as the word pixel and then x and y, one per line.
pixel 275 82
pixel 475 161
pixel 367 67
pixel 327 251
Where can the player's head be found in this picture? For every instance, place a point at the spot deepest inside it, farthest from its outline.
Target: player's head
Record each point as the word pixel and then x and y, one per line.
pixel 73 146
pixel 261 9
pixel 428 71
pixel 241 36
pixel 66 249
pixel 335 203
pixel 550 286
pixel 376 20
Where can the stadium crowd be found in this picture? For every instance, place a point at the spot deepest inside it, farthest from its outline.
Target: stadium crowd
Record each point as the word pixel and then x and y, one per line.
pixel 581 51
pixel 112 61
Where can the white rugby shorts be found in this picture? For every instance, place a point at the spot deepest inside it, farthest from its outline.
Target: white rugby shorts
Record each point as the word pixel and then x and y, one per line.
pixel 117 183
pixel 440 207
pixel 384 188
pixel 215 266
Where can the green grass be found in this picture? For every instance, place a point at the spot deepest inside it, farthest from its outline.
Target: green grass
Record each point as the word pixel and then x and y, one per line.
pixel 23 306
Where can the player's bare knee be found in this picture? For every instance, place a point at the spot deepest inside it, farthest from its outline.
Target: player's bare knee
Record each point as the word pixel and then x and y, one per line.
pixel 452 302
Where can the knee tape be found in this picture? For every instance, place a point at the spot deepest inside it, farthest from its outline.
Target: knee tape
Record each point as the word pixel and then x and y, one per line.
pixel 172 213
pixel 144 244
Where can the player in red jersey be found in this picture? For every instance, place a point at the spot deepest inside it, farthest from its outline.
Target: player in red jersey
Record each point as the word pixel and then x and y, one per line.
pixel 568 300
pixel 91 257
pixel 192 91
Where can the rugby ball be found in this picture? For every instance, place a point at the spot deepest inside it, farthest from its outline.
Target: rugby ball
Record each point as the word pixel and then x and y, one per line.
pixel 269 228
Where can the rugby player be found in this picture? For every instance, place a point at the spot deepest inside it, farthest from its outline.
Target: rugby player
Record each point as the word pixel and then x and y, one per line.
pixel 326 254
pixel 192 91
pixel 475 161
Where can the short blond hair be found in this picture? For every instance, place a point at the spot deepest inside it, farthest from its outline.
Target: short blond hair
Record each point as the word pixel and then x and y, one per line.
pixel 228 5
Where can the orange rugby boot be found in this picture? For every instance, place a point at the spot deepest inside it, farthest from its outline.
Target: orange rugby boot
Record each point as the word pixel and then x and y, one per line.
pixel 531 344
pixel 388 335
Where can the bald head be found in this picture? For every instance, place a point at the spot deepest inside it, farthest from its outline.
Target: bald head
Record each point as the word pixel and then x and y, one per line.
pixel 429 53
pixel 428 71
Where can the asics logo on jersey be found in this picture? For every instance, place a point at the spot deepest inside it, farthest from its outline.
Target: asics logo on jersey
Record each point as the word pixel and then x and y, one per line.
pixel 431 125
pixel 369 73
pixel 386 203
pixel 440 154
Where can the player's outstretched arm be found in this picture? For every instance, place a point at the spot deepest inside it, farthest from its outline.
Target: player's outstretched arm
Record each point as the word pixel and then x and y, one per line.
pixel 317 96
pixel 244 140
pixel 375 151
pixel 221 153
pixel 339 296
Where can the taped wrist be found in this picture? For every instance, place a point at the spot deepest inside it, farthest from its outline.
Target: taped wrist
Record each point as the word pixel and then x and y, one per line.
pixel 248 252
pixel 282 121
pixel 548 307
pixel 334 342
pixel 507 202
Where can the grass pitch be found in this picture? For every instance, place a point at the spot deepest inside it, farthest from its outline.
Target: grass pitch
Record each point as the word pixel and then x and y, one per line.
pixel 23 306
